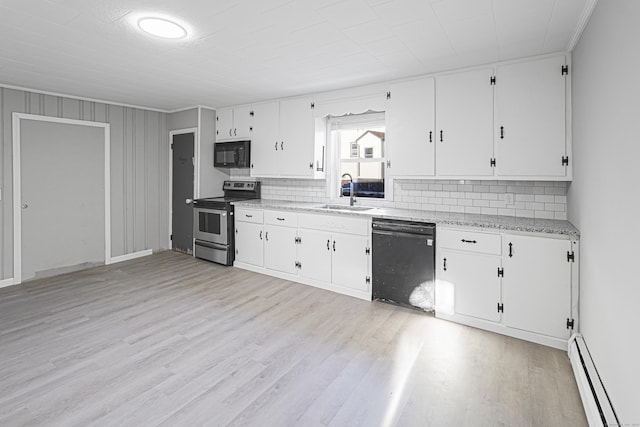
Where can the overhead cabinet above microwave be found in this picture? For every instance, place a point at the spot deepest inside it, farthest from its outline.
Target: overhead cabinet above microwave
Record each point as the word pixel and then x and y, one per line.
pixel 233 123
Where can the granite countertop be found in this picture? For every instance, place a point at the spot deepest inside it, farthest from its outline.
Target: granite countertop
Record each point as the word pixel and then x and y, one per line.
pixel 495 222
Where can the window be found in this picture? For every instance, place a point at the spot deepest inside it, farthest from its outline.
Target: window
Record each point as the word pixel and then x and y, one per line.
pixel 359 149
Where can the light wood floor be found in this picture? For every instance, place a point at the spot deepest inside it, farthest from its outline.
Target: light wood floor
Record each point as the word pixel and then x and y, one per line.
pixel 170 340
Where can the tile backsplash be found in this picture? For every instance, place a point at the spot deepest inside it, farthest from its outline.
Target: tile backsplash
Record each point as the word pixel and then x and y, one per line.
pixel 532 199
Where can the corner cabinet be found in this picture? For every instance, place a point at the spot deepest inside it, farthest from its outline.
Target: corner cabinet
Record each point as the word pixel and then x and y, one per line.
pixel 530 119
pixel 410 127
pixel 283 139
pixel 495 281
pixel 326 251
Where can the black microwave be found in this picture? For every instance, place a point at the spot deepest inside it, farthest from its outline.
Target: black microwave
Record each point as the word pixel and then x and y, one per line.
pixel 234 154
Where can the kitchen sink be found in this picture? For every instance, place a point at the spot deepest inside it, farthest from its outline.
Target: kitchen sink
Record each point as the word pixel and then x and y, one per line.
pixel 346 208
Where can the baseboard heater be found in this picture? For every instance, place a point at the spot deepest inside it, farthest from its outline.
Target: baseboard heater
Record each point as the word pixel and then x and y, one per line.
pixel 597 405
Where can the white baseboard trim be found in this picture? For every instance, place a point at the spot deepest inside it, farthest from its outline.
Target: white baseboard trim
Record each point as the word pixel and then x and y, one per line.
pixel 6 282
pixel 128 257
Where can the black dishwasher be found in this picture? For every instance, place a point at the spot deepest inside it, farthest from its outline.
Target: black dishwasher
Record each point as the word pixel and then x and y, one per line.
pixel 403 261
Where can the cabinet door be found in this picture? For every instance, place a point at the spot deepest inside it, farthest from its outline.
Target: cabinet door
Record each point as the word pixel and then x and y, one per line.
pixel 464 123
pixel 224 124
pixel 537 284
pixel 350 261
pixel 242 122
pixel 249 247
pixel 475 282
pixel 314 254
pixel 280 248
pixel 530 118
pixel 264 143
pixel 410 128
pixel 297 137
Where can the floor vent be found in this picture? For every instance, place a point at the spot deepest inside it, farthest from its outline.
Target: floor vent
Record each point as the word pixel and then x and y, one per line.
pixel 595 399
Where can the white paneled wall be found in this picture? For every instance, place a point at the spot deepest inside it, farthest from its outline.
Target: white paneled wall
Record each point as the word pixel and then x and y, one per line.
pixel 532 199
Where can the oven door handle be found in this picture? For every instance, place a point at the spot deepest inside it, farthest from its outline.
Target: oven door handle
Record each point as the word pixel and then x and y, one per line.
pixel 213 211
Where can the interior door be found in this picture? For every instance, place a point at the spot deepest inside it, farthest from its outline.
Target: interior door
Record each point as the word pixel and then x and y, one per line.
pixel 182 149
pixel 62 197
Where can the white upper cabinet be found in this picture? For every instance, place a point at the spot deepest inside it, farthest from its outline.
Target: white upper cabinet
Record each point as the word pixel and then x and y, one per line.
pixel 297 137
pixel 530 121
pixel 283 139
pixel 410 128
pixel 233 123
pixel 464 123
pixel 264 154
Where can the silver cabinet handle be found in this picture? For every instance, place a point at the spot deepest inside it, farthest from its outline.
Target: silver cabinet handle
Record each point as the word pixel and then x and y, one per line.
pixel 282 145
pixel 276 145
pixel 188 201
pixel 266 236
pixel 260 234
pixel 25 206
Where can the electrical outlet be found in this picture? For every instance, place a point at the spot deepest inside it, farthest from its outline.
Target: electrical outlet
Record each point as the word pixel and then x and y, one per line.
pixel 509 199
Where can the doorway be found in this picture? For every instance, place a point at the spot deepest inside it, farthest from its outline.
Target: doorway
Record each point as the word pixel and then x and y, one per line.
pixel 182 189
pixel 61 192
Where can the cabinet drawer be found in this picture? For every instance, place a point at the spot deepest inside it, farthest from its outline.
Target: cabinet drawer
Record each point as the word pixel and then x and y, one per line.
pixel 249 215
pixel 284 219
pixel 335 224
pixel 471 241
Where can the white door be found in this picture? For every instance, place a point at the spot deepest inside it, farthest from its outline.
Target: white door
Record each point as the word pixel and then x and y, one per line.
pixel 530 118
pixel 464 123
pixel 475 282
pixel 537 284
pixel 296 137
pixel 224 124
pixel 314 254
pixel 242 122
pixel 350 261
pixel 265 146
pixel 280 248
pixel 249 247
pixel 410 128
pixel 62 197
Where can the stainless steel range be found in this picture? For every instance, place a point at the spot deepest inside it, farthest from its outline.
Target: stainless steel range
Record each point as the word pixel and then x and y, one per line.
pixel 213 221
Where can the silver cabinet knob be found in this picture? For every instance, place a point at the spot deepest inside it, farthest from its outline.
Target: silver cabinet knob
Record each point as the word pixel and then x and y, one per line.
pixel 25 206
pixel 188 201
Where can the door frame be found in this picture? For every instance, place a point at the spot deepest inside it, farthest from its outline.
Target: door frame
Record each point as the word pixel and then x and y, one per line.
pixel 17 185
pixel 196 161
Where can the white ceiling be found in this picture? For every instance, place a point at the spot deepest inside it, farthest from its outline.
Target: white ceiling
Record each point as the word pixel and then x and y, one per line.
pixel 241 51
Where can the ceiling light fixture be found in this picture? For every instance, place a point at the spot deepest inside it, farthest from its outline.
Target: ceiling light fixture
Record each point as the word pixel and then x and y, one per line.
pixel 160 27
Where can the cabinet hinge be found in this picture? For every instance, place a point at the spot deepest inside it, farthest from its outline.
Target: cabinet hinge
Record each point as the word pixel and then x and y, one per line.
pixel 388 164
pixel 571 257
pixel 500 308
pixel 172 145
pixel 388 95
pixel 367 251
pixel 492 80
pixel 492 162
pixel 565 70
pixel 298 264
pixel 311 165
pixel 500 272
pixel 171 237
pixel 570 323
pixel 313 105
pixel 565 160
pixel 250 128
pixel 298 240
pixel 217 119
pixel 251 113
pixel 368 279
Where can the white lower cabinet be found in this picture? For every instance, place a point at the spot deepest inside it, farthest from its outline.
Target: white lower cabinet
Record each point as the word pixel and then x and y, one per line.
pixel 280 248
pixel 249 235
pixel 537 284
pixel 327 251
pixel 340 259
pixel 520 285
pixel 475 282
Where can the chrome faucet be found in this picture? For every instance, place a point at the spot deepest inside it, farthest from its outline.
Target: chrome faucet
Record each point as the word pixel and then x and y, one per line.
pixel 352 198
